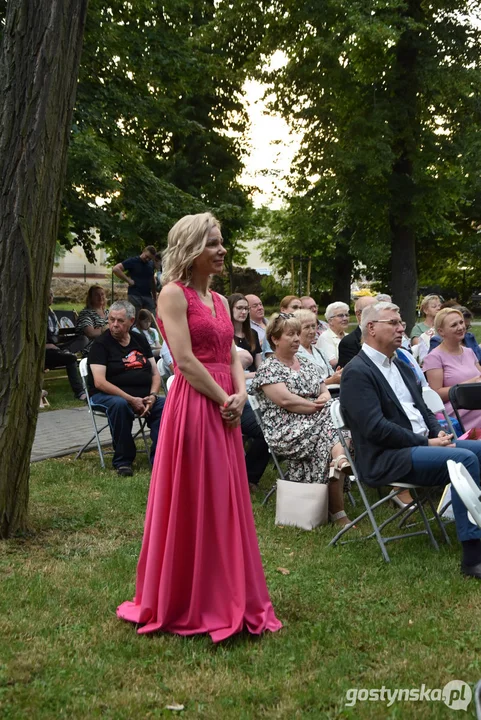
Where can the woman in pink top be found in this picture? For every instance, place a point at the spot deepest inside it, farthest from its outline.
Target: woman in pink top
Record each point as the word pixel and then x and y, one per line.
pixel 452 364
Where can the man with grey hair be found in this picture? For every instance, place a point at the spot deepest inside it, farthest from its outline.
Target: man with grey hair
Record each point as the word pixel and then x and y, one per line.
pixel 395 435
pixel 124 381
pixel 337 315
pixel 350 344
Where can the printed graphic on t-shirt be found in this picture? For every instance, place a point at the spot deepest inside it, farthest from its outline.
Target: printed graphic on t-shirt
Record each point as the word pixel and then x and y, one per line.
pixel 134 360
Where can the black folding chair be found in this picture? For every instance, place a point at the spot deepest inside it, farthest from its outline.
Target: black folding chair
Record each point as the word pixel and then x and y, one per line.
pixel 465 397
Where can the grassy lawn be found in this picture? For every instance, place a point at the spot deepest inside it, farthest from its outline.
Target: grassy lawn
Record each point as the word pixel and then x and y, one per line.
pixel 350 620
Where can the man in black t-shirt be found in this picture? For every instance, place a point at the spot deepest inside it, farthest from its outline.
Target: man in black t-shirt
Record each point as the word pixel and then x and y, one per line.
pixel 124 381
pixel 140 278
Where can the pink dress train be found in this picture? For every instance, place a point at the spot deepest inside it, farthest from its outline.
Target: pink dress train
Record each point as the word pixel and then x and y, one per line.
pixel 200 569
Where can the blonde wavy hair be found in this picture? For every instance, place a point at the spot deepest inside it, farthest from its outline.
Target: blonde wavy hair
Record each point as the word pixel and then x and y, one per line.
pixel 185 242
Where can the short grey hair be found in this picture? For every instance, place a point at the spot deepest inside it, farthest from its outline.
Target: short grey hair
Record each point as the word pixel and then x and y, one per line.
pixel 334 308
pixel 123 305
pixel 372 312
pixel 382 297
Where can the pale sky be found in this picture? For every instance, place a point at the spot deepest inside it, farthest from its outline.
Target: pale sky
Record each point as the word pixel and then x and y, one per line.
pixel 272 149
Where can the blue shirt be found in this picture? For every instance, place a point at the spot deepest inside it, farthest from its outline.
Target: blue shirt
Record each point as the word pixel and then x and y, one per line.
pixel 141 273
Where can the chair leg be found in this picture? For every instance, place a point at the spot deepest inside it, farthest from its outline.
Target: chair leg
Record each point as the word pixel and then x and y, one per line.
pixel 425 519
pixel 271 492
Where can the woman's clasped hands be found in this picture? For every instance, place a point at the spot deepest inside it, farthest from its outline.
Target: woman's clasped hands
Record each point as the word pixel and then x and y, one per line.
pixel 232 408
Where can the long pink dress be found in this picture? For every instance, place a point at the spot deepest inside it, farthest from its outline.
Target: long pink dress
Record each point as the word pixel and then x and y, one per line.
pixel 200 569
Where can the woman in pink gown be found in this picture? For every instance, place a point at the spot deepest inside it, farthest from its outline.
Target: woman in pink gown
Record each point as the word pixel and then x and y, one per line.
pixel 199 569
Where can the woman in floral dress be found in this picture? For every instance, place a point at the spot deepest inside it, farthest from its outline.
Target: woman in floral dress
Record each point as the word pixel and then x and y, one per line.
pixel 294 402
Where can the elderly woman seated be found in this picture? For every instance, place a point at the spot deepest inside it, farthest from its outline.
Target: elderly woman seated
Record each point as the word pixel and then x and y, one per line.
pixel 93 319
pixel 337 315
pixel 294 403
pixel 307 349
pixel 452 363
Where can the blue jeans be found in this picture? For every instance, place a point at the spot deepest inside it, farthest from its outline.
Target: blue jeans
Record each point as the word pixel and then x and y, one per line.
pixel 121 418
pixel 430 469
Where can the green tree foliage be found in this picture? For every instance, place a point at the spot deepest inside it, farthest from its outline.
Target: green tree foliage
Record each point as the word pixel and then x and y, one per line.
pixel 157 125
pixel 386 96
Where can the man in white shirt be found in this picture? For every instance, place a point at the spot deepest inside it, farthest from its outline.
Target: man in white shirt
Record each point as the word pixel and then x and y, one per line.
pixel 337 315
pixel 256 312
pixel 395 435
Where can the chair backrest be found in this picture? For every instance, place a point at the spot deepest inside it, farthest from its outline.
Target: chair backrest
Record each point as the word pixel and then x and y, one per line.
pixel 169 382
pixel 336 415
pixel 466 396
pixel 253 402
pixel 83 367
pixel 435 404
pixel 161 367
pixel 467 490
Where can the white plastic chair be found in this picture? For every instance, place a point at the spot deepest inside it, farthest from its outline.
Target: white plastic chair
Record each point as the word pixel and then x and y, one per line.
pixel 467 490
pixel 339 424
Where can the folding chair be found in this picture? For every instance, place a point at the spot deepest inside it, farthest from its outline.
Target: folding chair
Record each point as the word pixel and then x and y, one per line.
pixel 164 375
pixel 254 403
pixel 465 397
pixel 340 425
pixel 96 411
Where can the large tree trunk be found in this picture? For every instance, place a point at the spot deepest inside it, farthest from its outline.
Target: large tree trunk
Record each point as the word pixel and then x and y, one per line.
pixel 39 64
pixel 406 127
pixel 343 264
pixel 403 272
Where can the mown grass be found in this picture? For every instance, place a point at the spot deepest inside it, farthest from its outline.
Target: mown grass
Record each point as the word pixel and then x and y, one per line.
pixel 350 620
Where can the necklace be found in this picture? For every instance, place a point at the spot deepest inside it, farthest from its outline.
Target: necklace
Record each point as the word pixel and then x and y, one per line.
pixel 291 364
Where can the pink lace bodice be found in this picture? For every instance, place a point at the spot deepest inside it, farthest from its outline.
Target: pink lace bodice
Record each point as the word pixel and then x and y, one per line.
pixel 211 337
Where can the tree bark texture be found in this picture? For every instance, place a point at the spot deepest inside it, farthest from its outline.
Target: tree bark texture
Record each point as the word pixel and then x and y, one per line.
pixel 407 131
pixel 39 62
pixel 343 264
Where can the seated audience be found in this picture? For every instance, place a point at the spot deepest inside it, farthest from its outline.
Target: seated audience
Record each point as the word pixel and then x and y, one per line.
pixel 93 319
pixel 308 303
pixel 469 338
pixel 350 344
pixel 395 435
pixel 311 352
pixel 125 382
pixel 337 315
pixel 451 363
pixel 56 357
pixel 144 326
pixel 430 305
pixel 295 406
pixel 256 315
pixel 288 305
pixel 244 336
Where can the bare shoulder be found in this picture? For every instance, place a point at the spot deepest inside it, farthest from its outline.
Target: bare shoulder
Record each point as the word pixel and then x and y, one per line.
pixel 225 302
pixel 171 298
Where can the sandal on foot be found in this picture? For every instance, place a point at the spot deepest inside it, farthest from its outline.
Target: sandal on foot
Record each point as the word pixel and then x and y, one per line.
pixel 340 467
pixel 341 515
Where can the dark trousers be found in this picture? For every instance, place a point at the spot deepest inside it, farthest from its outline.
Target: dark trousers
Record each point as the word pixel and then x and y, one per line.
pixel 56 358
pixel 429 469
pixel 257 455
pixel 121 418
pixel 141 302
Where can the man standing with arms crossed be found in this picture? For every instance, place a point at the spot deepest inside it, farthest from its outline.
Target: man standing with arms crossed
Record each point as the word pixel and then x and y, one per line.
pixel 140 278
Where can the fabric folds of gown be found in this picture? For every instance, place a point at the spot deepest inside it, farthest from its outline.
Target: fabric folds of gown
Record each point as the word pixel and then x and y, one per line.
pixel 200 569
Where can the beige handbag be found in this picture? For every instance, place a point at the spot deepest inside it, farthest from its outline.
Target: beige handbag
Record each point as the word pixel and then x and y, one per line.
pixel 303 505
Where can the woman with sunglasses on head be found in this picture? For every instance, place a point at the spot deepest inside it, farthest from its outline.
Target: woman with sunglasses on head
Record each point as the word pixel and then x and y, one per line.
pixel 244 336
pixel 295 402
pixel 337 315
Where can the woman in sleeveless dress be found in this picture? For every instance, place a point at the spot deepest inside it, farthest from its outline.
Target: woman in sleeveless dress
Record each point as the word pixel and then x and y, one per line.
pixel 199 569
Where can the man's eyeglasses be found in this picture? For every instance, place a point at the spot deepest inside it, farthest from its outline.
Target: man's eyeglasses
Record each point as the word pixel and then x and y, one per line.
pixel 341 315
pixel 393 323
